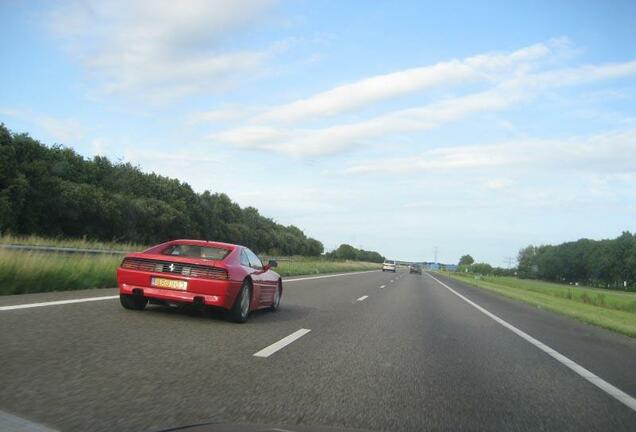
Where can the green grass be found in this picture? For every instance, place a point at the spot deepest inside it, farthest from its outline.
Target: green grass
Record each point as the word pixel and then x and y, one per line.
pixel 31 272
pixel 315 265
pixel 613 310
pixel 33 240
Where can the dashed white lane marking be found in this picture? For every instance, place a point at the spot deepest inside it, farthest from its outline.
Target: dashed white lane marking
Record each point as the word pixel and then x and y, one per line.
pixel 268 351
pixel 363 298
pixel 382 286
pixel 89 299
pixel 54 303
pixel 615 392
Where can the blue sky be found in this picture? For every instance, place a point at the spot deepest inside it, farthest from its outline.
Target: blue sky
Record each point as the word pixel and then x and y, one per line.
pixel 476 127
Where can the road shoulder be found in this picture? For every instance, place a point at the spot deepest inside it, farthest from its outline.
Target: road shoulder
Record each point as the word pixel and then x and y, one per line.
pixel 609 355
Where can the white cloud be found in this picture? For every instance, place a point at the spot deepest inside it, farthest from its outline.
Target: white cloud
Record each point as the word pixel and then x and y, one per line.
pixel 438 205
pixel 99 147
pixel 520 88
pixel 296 199
pixel 497 183
pixel 225 114
pixel 359 94
pixel 161 49
pixel 367 91
pixel 604 153
pixel 526 198
pixel 309 142
pixel 185 165
pixel 62 130
pixel 173 159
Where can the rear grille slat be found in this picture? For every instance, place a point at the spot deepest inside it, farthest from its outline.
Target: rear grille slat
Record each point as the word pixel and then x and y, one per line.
pixel 190 270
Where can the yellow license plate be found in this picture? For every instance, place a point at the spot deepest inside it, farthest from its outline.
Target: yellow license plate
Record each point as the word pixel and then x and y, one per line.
pixel 169 283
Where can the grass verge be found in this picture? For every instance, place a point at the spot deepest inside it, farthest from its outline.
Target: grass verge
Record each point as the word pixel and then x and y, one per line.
pixel 305 266
pixel 611 310
pixel 32 272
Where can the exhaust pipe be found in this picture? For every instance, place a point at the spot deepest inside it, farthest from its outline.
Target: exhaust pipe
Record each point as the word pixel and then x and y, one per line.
pixel 198 302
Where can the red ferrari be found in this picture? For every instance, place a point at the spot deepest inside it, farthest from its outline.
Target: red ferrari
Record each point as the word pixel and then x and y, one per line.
pixel 202 273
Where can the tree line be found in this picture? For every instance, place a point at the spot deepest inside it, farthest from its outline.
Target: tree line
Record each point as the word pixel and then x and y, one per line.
pixel 467 264
pixel 599 263
pixel 609 263
pixel 348 252
pixel 55 192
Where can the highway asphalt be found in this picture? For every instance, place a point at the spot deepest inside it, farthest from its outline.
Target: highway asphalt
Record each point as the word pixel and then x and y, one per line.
pixel 374 351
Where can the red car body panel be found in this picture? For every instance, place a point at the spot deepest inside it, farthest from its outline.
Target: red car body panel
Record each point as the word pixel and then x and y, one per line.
pixel 213 292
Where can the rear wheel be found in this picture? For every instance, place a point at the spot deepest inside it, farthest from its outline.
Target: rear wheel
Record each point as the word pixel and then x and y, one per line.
pixel 132 301
pixel 277 295
pixel 241 309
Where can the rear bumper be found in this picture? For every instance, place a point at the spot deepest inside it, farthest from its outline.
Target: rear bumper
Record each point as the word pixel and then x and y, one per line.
pixel 221 293
pixel 177 296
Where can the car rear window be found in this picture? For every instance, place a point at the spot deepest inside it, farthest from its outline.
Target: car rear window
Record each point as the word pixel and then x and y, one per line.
pixel 194 251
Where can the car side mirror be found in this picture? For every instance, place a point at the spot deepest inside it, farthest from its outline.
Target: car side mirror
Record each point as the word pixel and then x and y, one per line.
pixel 272 263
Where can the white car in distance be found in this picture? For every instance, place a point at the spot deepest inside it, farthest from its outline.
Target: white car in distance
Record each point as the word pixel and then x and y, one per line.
pixel 389 265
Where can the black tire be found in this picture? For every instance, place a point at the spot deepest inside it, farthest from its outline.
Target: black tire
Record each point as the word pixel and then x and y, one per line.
pixel 133 302
pixel 277 296
pixel 239 312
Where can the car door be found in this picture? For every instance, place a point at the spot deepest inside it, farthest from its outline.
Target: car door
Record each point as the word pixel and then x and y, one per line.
pixel 263 292
pixel 245 263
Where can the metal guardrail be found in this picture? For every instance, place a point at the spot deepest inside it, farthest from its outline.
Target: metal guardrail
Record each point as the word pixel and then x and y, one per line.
pixel 266 258
pixel 56 249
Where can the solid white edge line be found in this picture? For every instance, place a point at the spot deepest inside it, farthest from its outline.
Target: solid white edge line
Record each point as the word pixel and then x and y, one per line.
pixel 88 299
pixel 53 303
pixel 328 276
pixel 363 298
pixel 268 351
pixel 608 388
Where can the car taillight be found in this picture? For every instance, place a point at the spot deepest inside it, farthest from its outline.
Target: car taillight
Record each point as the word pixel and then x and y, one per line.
pixel 137 264
pixel 209 273
pixel 128 264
